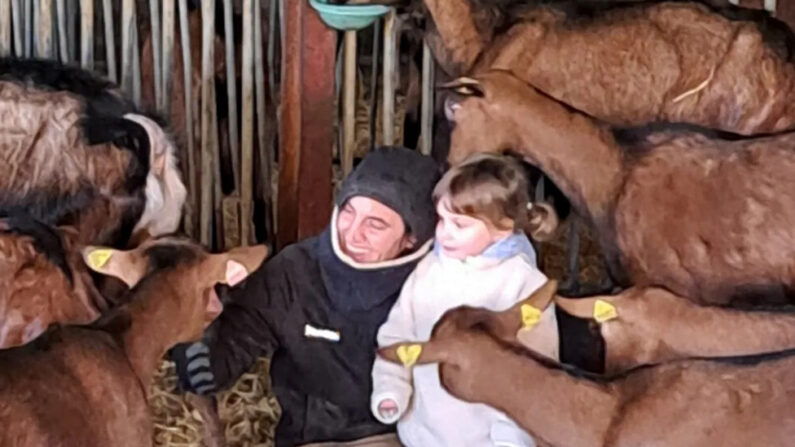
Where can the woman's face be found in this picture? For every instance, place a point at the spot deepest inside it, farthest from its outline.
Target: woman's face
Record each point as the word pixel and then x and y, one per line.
pixel 370 231
pixel 460 235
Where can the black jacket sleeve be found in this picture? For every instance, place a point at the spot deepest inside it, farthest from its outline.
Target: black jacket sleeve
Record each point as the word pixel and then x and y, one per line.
pixel 247 328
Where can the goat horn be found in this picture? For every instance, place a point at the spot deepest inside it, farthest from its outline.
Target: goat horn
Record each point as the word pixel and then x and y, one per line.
pixel 459 82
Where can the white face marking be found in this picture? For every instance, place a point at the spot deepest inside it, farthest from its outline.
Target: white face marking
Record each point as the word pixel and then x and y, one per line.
pixel 165 193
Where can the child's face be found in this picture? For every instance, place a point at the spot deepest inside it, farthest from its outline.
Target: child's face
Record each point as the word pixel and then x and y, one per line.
pixel 460 235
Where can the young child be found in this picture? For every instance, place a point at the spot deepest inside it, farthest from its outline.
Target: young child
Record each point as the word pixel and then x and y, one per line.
pixel 481 258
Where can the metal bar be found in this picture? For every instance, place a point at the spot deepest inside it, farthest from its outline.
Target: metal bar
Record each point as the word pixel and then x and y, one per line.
pixel 187 69
pixel 388 116
pixel 5 28
pixel 87 34
pixel 28 30
pixel 44 30
pixel 265 149
pixel 63 41
pixel 167 54
pixel 349 102
pixel 231 93
pixel 17 17
pixel 127 29
pixel 157 47
pixel 207 118
pixel 374 81
pixel 247 130
pixel 426 114
pixel 110 40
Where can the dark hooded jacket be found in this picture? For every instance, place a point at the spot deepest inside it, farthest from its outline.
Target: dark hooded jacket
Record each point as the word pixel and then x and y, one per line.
pixel 317 315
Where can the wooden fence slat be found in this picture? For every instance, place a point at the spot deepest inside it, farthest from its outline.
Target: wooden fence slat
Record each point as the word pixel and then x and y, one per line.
pixel 154 18
pixel 207 119
pixel 72 16
pixel 193 210
pixel 390 48
pixel 167 54
pixel 349 102
pixel 110 40
pixel 5 28
pixel 17 17
pixel 43 18
pixel 374 81
pixel 247 122
pixel 426 114
pixel 63 40
pixel 273 14
pixel 87 34
pixel 136 66
pixel 231 93
pixel 265 143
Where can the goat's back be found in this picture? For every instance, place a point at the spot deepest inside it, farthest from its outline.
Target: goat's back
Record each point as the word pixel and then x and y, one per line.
pixel 712 220
pixel 74 387
pixel 700 403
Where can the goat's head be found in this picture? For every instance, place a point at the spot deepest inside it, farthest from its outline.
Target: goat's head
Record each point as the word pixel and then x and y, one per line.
pixel 180 271
pixel 165 192
pixel 481 111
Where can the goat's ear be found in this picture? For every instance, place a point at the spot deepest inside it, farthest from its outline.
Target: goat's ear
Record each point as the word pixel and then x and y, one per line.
pixel 128 266
pixel 237 264
pixel 158 142
pixel 464 86
pixel 601 309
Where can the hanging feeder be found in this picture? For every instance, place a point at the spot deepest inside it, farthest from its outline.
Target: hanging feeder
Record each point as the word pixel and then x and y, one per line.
pixel 348 17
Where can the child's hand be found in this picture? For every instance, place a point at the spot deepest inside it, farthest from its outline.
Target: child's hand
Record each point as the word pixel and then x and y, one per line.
pixel 387 408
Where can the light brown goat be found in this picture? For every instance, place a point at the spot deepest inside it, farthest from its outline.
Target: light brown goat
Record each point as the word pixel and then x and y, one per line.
pixel 688 403
pixel 630 64
pixel 86 386
pixel 640 326
pixel 708 219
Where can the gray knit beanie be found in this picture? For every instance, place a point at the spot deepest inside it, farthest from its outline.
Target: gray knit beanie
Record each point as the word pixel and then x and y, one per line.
pixel 402 179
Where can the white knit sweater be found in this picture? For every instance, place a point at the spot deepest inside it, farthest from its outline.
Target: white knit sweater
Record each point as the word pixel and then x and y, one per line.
pixel 433 417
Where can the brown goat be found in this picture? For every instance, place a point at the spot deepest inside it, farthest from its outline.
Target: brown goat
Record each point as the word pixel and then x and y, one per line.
pixel 86 386
pixel 689 403
pixel 708 219
pixel 74 152
pixel 630 64
pixel 640 326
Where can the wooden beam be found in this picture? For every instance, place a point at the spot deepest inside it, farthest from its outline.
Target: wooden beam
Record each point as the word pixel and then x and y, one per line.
pixel 426 117
pixel 390 78
pixel 349 102
pixel 247 130
pixel 207 118
pixel 110 40
pixel 63 40
pixel 43 19
pixel 307 127
pixel 18 23
pixel 5 29
pixel 157 47
pixel 231 87
pixel 167 55
pixel 87 34
pixel 192 210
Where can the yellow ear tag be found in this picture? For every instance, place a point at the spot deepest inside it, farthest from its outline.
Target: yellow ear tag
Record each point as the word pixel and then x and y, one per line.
pixel 98 258
pixel 530 316
pixel 408 354
pixel 604 311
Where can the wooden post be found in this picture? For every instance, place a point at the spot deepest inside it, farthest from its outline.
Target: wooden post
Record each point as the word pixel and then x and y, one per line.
pixel 18 23
pixel 247 130
pixel 273 13
pixel 63 40
pixel 5 28
pixel 390 48
pixel 167 55
pixel 110 40
pixel 44 29
pixel 187 68
pixel 349 102
pixel 154 20
pixel 207 118
pixel 231 91
pixel 426 116
pixel 71 33
pixel 374 81
pixel 87 34
pixel 307 127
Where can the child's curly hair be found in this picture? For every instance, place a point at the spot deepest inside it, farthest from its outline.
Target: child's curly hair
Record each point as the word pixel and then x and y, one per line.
pixel 494 188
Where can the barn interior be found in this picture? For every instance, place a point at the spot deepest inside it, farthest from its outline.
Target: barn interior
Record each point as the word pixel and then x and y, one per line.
pixel 273 102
